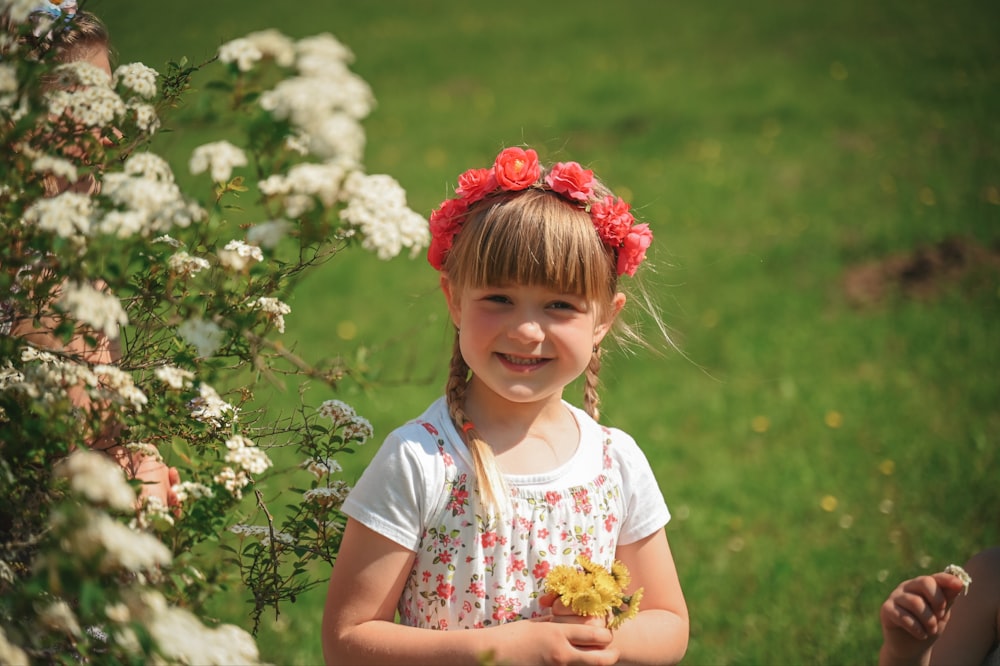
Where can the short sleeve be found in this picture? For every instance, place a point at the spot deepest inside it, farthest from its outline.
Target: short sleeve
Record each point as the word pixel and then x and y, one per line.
pixel 392 495
pixel 646 510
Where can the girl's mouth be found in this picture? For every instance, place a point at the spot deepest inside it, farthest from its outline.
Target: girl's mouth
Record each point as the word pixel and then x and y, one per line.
pixel 526 362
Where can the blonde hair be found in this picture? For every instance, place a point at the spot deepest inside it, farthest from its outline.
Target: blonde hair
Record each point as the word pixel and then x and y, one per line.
pixel 528 237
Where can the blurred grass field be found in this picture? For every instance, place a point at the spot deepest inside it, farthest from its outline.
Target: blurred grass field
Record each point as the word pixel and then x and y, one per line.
pixel 814 450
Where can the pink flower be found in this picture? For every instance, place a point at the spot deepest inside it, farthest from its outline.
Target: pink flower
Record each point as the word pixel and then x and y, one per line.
pixel 552 497
pixel 612 220
pixel 571 180
pixel 475 184
pixel 516 168
pixel 609 523
pixel 633 250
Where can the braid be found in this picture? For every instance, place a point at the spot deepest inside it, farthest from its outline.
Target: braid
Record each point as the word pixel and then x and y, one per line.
pixel 590 398
pixel 492 489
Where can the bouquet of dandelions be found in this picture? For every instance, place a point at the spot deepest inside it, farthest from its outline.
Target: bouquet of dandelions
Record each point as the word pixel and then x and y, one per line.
pixel 589 589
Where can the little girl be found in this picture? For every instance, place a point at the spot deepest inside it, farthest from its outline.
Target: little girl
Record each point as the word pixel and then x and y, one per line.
pixel 464 510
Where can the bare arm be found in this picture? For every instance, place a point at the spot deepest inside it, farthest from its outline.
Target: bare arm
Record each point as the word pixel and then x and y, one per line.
pixel 659 633
pixel 359 627
pixel 157 478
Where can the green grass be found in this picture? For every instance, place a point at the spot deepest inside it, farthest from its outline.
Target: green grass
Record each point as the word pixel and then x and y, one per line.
pixel 772 147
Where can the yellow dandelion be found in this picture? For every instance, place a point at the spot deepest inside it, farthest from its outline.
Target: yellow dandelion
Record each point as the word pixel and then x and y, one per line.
pixel 588 601
pixel 828 503
pixel 631 610
pixel 833 419
pixel 887 467
pixel 590 589
pixel 621 574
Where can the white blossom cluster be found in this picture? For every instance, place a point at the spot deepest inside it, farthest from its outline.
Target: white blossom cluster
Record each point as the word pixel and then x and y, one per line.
pixel 99 310
pixel 59 617
pixel 237 255
pixel 45 377
pixel 263 533
pixel 218 158
pixel 180 636
pixel 376 204
pixel 80 73
pixel 184 265
pixel 234 481
pixel 174 377
pixel 116 546
pixel 147 199
pixel 248 457
pixel 274 309
pixel 342 415
pixel 121 386
pixel 8 84
pixel 19 10
pixel 205 336
pixel 153 513
pixel 97 478
pixel 209 408
pixel 95 106
pixel 67 215
pixel 325 101
pixel 321 467
pixel 56 166
pixel 333 495
pixel 307 183
pixel 136 77
pixel 337 411
pixel 191 490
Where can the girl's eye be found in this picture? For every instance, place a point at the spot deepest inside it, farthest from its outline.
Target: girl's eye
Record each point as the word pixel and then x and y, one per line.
pixel 562 305
pixel 497 298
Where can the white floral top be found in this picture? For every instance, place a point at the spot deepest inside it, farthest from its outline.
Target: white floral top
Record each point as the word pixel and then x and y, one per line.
pixel 419 491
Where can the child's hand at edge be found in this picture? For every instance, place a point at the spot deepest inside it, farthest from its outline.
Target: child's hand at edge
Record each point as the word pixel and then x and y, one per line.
pixel 915 614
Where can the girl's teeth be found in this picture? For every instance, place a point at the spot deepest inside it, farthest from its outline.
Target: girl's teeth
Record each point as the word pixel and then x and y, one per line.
pixel 516 360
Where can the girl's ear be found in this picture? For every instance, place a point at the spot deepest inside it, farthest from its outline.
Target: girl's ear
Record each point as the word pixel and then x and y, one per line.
pixel 451 298
pixel 603 326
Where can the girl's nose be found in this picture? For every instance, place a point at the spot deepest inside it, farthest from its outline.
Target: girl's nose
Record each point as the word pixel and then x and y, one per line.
pixel 527 330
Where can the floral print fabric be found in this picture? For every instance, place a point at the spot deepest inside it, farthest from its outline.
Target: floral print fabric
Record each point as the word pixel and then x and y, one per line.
pixel 470 571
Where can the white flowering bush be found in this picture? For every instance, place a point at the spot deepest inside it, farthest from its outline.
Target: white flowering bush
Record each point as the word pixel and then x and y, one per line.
pixel 102 249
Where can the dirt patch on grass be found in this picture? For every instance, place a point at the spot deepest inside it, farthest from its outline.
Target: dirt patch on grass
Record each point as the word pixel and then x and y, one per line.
pixel 923 272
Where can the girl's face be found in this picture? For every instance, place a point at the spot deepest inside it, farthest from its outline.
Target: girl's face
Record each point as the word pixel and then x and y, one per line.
pixel 524 344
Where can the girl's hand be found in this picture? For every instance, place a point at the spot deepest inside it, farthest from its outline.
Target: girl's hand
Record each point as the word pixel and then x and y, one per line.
pixel 915 614
pixel 559 639
pixel 563 614
pixel 158 481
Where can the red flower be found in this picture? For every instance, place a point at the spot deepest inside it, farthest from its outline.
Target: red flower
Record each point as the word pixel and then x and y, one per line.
pixel 446 591
pixel 612 219
pixel 516 168
pixel 475 184
pixel 541 569
pixel 571 180
pixel 488 539
pixel 444 223
pixel 633 250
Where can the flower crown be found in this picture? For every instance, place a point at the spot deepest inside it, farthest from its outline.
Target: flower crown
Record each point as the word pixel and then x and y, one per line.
pixel 516 169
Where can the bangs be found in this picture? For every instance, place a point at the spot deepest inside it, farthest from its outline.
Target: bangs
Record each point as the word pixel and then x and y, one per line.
pixel 533 237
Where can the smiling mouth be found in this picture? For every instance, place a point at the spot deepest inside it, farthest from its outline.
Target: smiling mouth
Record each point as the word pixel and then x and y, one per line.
pixel 522 361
